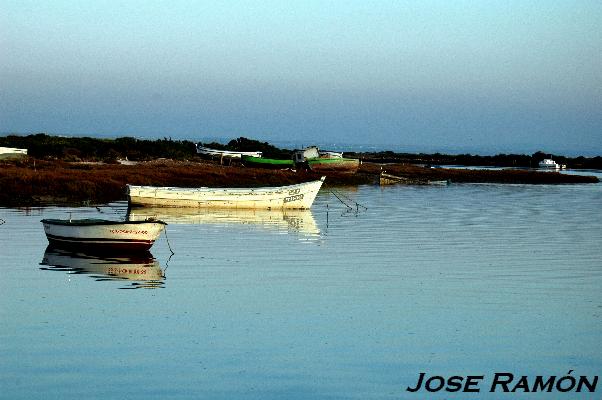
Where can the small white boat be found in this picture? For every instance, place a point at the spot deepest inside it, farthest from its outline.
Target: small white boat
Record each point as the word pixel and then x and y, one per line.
pixel 12 152
pixel 388 179
pixel 299 196
pixel 301 156
pixel 102 235
pixel 548 163
pixel 225 153
pixel 330 154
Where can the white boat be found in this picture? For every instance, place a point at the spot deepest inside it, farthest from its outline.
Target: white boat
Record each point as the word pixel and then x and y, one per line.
pixel 314 152
pixel 301 156
pixel 101 235
pixel 225 153
pixel 300 222
pixel 299 196
pixel 330 154
pixel 10 152
pixel 548 163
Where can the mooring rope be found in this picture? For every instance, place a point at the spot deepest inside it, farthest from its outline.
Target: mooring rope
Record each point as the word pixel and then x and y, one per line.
pixel 166 265
pixel 341 200
pixel 339 195
pixel 168 245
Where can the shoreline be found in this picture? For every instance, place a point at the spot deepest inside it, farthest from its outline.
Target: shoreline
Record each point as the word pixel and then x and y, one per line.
pixel 34 182
pixel 84 170
pixel 71 148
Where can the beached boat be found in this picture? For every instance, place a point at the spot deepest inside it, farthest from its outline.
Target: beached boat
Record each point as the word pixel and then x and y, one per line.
pixel 301 156
pixel 315 152
pixel 388 179
pixel 330 154
pixel 548 163
pixel 324 165
pixel 270 163
pixel 225 153
pixel 12 152
pixel 325 161
pixel 293 196
pixel 102 235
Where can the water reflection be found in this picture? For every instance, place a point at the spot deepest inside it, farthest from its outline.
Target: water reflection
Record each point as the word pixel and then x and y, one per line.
pixel 141 268
pixel 297 221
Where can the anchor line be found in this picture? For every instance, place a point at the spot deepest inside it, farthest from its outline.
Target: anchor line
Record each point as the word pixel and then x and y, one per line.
pixel 341 200
pixel 167 264
pixel 168 245
pixel 339 195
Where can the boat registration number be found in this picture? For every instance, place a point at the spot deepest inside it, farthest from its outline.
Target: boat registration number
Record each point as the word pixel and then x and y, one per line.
pixel 128 231
pixel 293 198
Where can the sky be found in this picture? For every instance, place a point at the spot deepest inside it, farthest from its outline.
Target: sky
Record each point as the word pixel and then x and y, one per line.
pixel 457 76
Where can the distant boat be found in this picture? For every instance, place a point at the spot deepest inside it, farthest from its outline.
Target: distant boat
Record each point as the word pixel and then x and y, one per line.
pixel 325 165
pixel 225 153
pixel 271 163
pixel 548 163
pixel 301 156
pixel 330 154
pixel 102 235
pixel 12 152
pixel 299 196
pixel 388 179
pixel 325 161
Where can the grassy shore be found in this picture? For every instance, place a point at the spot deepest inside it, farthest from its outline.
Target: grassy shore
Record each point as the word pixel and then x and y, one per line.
pixel 30 181
pixel 83 170
pixel 44 146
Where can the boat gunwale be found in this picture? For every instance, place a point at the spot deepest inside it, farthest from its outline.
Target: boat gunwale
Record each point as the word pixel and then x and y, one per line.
pixel 296 196
pixel 227 190
pixel 96 222
pixel 226 153
pixel 331 160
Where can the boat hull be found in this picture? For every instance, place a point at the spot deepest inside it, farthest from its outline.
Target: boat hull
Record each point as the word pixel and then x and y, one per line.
pixel 11 152
pixel 548 163
pixel 324 165
pixel 300 196
pixel 105 236
pixel 225 153
pixel 388 179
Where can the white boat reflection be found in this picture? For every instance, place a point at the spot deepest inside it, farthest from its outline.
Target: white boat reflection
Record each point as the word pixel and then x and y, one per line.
pixel 141 268
pixel 299 221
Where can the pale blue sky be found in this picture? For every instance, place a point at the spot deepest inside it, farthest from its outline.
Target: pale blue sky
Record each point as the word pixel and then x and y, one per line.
pixel 478 75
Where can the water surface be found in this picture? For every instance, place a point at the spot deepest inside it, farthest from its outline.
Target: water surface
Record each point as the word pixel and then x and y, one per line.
pixel 328 303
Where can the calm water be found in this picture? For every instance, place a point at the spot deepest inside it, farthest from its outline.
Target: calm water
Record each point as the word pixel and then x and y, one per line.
pixel 327 304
